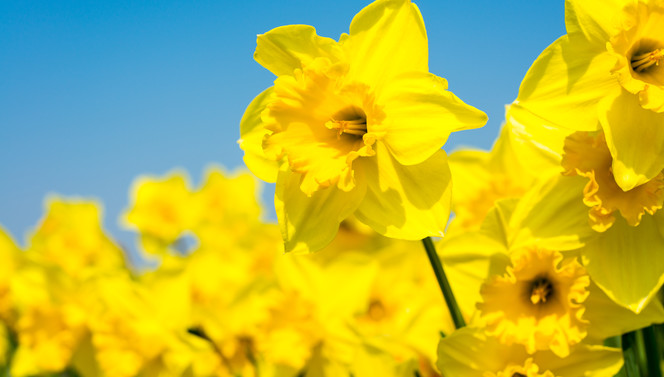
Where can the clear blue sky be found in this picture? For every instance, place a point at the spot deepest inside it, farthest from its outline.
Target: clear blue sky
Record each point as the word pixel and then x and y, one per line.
pixel 94 94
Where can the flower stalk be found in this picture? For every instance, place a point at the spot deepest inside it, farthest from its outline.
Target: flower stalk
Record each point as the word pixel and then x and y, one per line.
pixel 629 347
pixel 652 351
pixel 444 284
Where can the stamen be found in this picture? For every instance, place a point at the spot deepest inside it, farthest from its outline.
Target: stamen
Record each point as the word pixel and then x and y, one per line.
pixel 644 61
pixel 541 290
pixel 357 127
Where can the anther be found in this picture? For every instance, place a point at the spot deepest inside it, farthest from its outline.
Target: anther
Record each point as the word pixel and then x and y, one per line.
pixel 644 61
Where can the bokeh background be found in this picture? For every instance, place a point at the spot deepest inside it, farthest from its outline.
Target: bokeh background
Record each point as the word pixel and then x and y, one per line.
pixel 94 94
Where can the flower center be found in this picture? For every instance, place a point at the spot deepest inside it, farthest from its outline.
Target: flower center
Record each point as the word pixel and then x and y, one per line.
pixel 351 121
pixel 518 375
pixel 536 303
pixel 376 310
pixel 541 290
pixel 643 61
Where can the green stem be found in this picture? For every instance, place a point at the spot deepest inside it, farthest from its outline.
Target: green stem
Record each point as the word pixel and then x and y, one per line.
pixel 653 354
pixel 631 367
pixel 452 306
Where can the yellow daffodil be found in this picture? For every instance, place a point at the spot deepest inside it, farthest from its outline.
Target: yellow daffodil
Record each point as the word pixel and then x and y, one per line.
pixel 129 333
pixel 403 314
pixel 623 259
pixel 354 127
pixel 538 302
pixel 51 319
pixel 470 352
pixel 606 72
pixel 229 208
pixel 161 210
pixel 518 245
pixel 70 236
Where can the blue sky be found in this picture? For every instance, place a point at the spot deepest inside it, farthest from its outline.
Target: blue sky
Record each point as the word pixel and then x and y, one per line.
pixel 94 94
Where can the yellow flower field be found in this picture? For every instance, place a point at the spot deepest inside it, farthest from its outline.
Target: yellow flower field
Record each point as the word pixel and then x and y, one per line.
pixel 543 257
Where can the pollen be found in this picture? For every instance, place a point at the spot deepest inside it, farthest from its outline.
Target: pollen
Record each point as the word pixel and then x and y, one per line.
pixel 641 62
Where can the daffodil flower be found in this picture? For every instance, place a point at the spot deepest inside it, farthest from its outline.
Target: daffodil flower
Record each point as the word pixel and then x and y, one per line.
pixel 470 352
pixel 624 257
pixel 608 73
pixel 354 127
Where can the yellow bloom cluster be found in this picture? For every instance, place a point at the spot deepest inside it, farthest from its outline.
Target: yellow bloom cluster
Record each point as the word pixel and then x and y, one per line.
pixel 555 249
pixel 224 300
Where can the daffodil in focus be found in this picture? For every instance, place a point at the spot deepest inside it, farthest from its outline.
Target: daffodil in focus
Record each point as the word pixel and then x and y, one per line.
pixel 538 302
pixel 607 73
pixel 354 127
pixel 624 256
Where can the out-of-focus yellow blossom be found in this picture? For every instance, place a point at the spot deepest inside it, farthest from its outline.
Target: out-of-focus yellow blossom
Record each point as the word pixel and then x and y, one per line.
pixel 10 257
pixel 232 293
pixel 538 302
pixel 332 293
pixel 404 313
pixel 470 352
pixel 128 336
pixel 70 237
pixel 47 337
pixel 228 207
pixel 161 209
pixel 480 178
pixel 51 320
pixel 606 73
pixel 587 155
pixel 354 127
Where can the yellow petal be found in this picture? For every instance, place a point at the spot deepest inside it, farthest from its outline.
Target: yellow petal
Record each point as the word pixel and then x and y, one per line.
pixel 310 223
pixel 286 48
pixel 552 215
pixel 652 98
pixel 538 145
pixel 565 83
pixel 469 173
pixel 628 262
pixel 584 360
pixel 469 258
pixel 635 137
pixel 593 20
pixel 252 134
pixel 609 319
pixel 421 114
pixel 407 202
pixel 469 352
pixel 387 38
